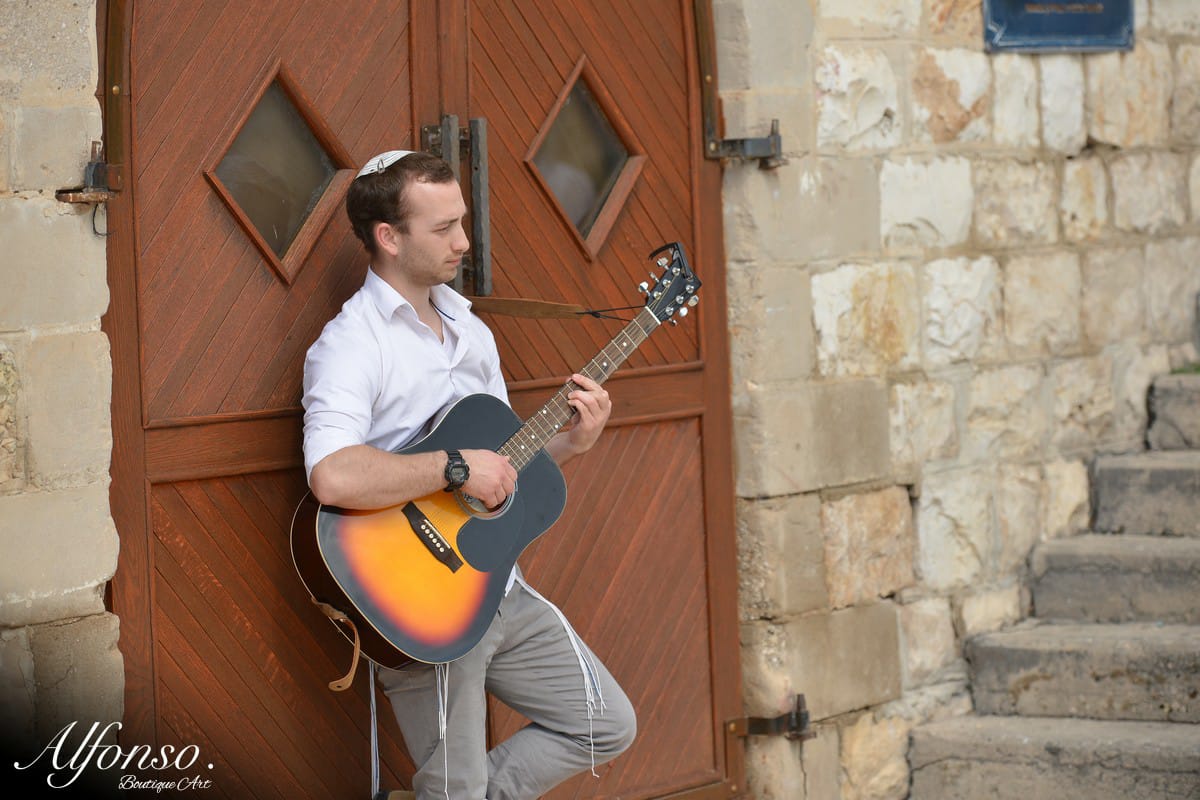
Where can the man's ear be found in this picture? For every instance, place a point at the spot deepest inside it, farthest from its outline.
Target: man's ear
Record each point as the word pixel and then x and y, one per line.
pixel 386 238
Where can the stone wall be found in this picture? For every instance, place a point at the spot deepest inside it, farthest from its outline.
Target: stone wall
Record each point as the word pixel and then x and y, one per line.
pixel 58 646
pixel 955 292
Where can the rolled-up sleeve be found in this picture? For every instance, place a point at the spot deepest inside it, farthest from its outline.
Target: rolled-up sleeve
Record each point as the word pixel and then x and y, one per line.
pixel 341 381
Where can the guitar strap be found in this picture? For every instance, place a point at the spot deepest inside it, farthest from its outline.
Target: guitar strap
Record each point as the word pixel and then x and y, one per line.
pixel 343 683
pixel 538 309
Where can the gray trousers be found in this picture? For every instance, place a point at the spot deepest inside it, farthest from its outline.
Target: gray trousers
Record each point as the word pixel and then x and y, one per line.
pixel 528 661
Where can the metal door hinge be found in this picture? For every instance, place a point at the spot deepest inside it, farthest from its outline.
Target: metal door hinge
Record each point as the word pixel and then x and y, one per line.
pixel 767 149
pixel 794 725
pixel 100 180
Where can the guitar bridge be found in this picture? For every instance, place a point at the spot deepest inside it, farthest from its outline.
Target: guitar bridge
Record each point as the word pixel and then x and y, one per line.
pixel 433 540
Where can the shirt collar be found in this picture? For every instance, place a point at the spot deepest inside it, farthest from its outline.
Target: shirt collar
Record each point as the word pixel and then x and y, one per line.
pixel 448 302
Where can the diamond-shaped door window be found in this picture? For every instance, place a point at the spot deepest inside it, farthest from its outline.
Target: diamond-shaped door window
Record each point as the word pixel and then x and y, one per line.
pixel 282 175
pixel 586 158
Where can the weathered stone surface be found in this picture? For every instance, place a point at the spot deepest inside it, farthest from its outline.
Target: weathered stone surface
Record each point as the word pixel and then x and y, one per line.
pixel 774 766
pixel 1005 414
pixel 925 203
pixel 1194 188
pixel 80 672
pixel 12 445
pixel 49 52
pixel 923 424
pixel 1149 191
pixel 961 20
pixel 1134 369
pixel 1068 507
pixel 807 209
pixel 1042 304
pixel 1018 516
pixel 1064 128
pixel 857 100
pixel 1171 285
pixel 1175 413
pixel 952 96
pixel 52 145
pixel 1084 198
pixel 1180 17
pixel 781 558
pixel 793 438
pixel 769 305
pixel 761 46
pixel 867 319
pixel 17 688
pixel 842 660
pixel 1113 310
pixel 858 17
pixel 1148 493
pixel 954 528
pixel 1103 578
pixel 59 549
pixel 1084 405
pixel 869 545
pixel 1015 101
pixel 1015 203
pixel 749 112
pixel 927 640
pixel 1021 758
pixel 962 310
pixel 54 265
pixel 989 609
pixel 1185 106
pixel 822 766
pixel 1131 671
pixel 68 396
pixel 874 758
pixel 1128 95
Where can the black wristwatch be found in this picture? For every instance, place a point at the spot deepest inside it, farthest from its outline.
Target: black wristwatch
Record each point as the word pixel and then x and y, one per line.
pixel 457 471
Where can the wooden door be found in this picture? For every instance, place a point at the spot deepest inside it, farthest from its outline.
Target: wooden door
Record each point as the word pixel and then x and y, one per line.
pixel 211 316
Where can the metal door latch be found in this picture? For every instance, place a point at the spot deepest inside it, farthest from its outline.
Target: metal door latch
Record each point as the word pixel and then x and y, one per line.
pixel 794 725
pixel 100 180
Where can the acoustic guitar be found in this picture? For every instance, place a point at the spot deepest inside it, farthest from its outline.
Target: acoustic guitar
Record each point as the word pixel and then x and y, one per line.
pixel 422 580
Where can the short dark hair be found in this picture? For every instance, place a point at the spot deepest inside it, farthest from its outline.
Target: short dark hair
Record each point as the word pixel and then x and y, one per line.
pixel 381 196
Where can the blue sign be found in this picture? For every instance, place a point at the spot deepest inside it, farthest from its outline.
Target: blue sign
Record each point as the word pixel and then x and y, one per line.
pixel 1063 26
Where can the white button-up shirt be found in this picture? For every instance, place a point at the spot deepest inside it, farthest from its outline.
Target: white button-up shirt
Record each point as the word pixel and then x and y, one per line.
pixel 377 375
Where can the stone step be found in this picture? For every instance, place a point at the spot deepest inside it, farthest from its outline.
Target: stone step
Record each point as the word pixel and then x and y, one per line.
pixel 1034 758
pixel 1174 413
pixel 1134 670
pixel 1148 493
pixel 1104 578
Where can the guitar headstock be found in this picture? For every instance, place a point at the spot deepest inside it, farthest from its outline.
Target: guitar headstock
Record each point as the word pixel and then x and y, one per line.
pixel 675 289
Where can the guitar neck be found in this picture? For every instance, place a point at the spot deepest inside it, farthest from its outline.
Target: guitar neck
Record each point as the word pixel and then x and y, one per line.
pixel 531 439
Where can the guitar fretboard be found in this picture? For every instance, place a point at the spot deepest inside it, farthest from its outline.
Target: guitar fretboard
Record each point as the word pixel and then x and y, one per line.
pixel 526 443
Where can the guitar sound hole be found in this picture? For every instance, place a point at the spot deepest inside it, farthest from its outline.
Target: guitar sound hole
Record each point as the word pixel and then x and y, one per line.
pixel 476 508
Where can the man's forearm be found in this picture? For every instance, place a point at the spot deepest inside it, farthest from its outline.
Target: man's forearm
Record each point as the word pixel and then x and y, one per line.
pixel 362 477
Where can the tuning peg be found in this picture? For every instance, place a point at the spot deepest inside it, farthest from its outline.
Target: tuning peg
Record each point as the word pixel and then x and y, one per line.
pixel 693 300
pixel 644 287
pixel 662 261
pixel 673 321
pixel 683 311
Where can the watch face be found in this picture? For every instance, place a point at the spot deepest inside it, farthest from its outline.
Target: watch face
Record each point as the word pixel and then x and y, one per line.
pixel 458 472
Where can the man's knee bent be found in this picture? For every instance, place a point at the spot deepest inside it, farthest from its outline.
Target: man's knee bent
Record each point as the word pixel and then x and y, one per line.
pixel 614 730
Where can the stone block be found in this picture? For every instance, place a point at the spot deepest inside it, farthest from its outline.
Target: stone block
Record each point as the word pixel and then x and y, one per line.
pixel 989 609
pixel 12 440
pixel 925 203
pixel 1194 188
pixel 1171 285
pixel 867 319
pixel 869 544
pixel 55 267
pixel 874 758
pixel 808 209
pixel 954 528
pixel 1018 515
pixel 1064 128
pixel 1149 191
pixel 857 100
pixel 927 640
pixel 952 96
pixel 80 673
pixel 1175 413
pixel 962 311
pixel 67 390
pixel 49 52
pixel 1134 369
pixel 1020 758
pixel 771 336
pixel 1177 17
pixel 1067 505
pixel 1006 417
pixel 822 768
pixel 1113 310
pixel 1185 105
pixel 1102 578
pixel 781 559
pixel 1015 101
pixel 841 661
pixel 5 150
pixel 17 688
pixel 762 45
pixel 51 146
pixel 794 438
pixel 59 549
pixel 1015 203
pixel 1129 95
pixel 1148 493
pixel 858 18
pixel 1129 671
pixel 774 767
pixel 1084 198
pixel 1042 295
pixel 960 20
pixel 1084 403
pixel 923 423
